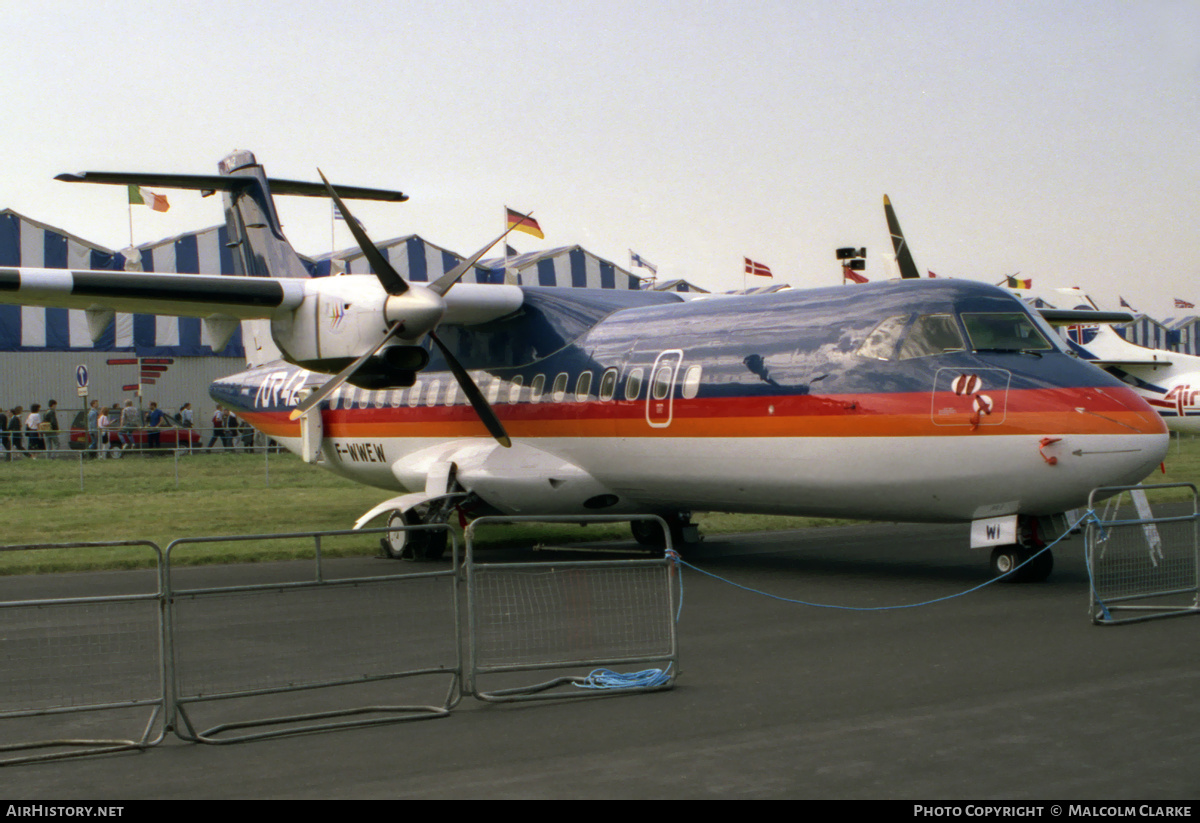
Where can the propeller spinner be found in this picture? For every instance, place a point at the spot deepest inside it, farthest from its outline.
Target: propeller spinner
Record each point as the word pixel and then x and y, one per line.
pixel 411 313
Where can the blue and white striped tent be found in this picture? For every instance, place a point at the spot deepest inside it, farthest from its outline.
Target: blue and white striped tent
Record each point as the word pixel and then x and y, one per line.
pixel 413 257
pixel 420 261
pixel 565 266
pixel 1148 332
pixel 26 242
pixel 1188 331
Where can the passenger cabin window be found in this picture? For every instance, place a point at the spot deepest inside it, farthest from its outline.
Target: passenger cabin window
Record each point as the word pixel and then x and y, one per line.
pixel 608 384
pixel 560 387
pixel 451 394
pixel 536 388
pixel 583 386
pixel 881 342
pixel 691 383
pixel 1004 331
pixel 931 334
pixel 514 390
pixel 633 384
pixel 414 396
pixel 435 389
pixel 493 394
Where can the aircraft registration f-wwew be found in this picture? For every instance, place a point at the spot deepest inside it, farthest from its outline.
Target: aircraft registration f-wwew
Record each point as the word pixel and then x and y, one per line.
pixel 929 400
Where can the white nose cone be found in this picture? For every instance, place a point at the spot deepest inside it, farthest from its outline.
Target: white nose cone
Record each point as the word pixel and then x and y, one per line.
pixel 419 309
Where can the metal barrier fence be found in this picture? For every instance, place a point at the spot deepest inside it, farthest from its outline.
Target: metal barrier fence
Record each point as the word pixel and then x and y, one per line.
pixel 1141 563
pixel 238 642
pixel 96 654
pixel 180 643
pixel 545 616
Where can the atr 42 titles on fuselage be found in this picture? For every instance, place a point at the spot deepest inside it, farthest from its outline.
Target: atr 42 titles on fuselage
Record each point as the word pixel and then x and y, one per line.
pixel 913 400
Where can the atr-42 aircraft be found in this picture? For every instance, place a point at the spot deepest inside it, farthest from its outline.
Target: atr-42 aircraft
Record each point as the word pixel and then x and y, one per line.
pixel 940 401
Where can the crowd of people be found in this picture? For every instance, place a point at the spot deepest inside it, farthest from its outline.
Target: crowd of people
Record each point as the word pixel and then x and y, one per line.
pixel 112 430
pixel 35 431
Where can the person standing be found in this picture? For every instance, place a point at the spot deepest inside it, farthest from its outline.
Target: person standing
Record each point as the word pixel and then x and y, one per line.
pixel 130 420
pixel 33 429
pixel 155 420
pixel 108 422
pixel 52 442
pixel 15 438
pixel 218 427
pixel 93 428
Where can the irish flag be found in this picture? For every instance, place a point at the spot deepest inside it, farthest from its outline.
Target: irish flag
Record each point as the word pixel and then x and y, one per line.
pixel 144 197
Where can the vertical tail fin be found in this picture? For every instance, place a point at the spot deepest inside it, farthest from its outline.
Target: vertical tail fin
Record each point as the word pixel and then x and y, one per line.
pixel 255 234
pixel 904 259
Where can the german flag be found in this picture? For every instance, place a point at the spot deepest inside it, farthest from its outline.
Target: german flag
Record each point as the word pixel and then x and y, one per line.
pixel 519 222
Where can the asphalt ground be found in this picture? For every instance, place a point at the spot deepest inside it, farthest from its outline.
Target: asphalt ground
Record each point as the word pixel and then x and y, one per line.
pixel 1008 693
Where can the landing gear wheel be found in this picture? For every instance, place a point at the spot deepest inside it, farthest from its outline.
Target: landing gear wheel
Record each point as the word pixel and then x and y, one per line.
pixel 1039 568
pixel 412 545
pixel 648 533
pixel 1004 560
pixel 1007 558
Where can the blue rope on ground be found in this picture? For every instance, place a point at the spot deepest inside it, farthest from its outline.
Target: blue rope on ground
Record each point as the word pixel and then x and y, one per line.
pixel 1089 515
pixel 608 679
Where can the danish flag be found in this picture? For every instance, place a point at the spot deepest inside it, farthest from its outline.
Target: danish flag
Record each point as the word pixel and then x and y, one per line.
pixel 757 269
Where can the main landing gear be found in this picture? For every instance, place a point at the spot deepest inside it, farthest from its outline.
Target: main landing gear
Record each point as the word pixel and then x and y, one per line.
pixel 649 533
pixel 1007 560
pixel 416 544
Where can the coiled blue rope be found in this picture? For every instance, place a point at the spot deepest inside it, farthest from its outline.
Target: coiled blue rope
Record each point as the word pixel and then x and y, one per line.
pixel 608 679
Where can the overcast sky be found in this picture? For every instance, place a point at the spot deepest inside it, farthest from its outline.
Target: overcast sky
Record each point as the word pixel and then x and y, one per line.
pixel 1055 139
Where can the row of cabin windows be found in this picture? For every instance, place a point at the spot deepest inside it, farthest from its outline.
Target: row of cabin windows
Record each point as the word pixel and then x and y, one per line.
pixel 438 392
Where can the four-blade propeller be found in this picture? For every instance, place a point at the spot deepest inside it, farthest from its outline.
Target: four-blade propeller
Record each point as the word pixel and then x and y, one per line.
pixel 412 313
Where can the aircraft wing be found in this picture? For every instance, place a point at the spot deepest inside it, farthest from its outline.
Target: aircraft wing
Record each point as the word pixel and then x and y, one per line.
pixel 1121 364
pixel 1081 317
pixel 183 295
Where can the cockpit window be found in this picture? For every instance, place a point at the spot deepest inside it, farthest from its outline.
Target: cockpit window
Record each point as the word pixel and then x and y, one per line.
pixel 881 342
pixel 931 334
pixel 1004 332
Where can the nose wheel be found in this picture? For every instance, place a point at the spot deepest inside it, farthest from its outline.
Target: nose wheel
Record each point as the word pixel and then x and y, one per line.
pixel 1010 563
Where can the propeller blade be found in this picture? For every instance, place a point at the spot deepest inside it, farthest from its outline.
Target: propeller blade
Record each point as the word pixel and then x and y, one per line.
pixel 334 383
pixel 443 283
pixel 908 269
pixel 392 282
pixel 478 401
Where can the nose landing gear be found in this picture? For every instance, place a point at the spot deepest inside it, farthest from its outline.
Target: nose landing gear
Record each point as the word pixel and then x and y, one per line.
pixel 1024 561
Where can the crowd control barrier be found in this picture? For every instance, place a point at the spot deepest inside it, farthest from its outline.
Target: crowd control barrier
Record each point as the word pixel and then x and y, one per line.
pixel 84 666
pixel 1142 565
pixel 237 642
pixel 553 616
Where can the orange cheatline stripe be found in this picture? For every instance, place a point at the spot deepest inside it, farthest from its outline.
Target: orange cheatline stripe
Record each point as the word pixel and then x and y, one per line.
pixel 1014 423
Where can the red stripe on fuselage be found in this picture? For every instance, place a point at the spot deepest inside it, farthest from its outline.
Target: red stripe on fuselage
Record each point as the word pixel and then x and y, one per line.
pixel 1080 410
